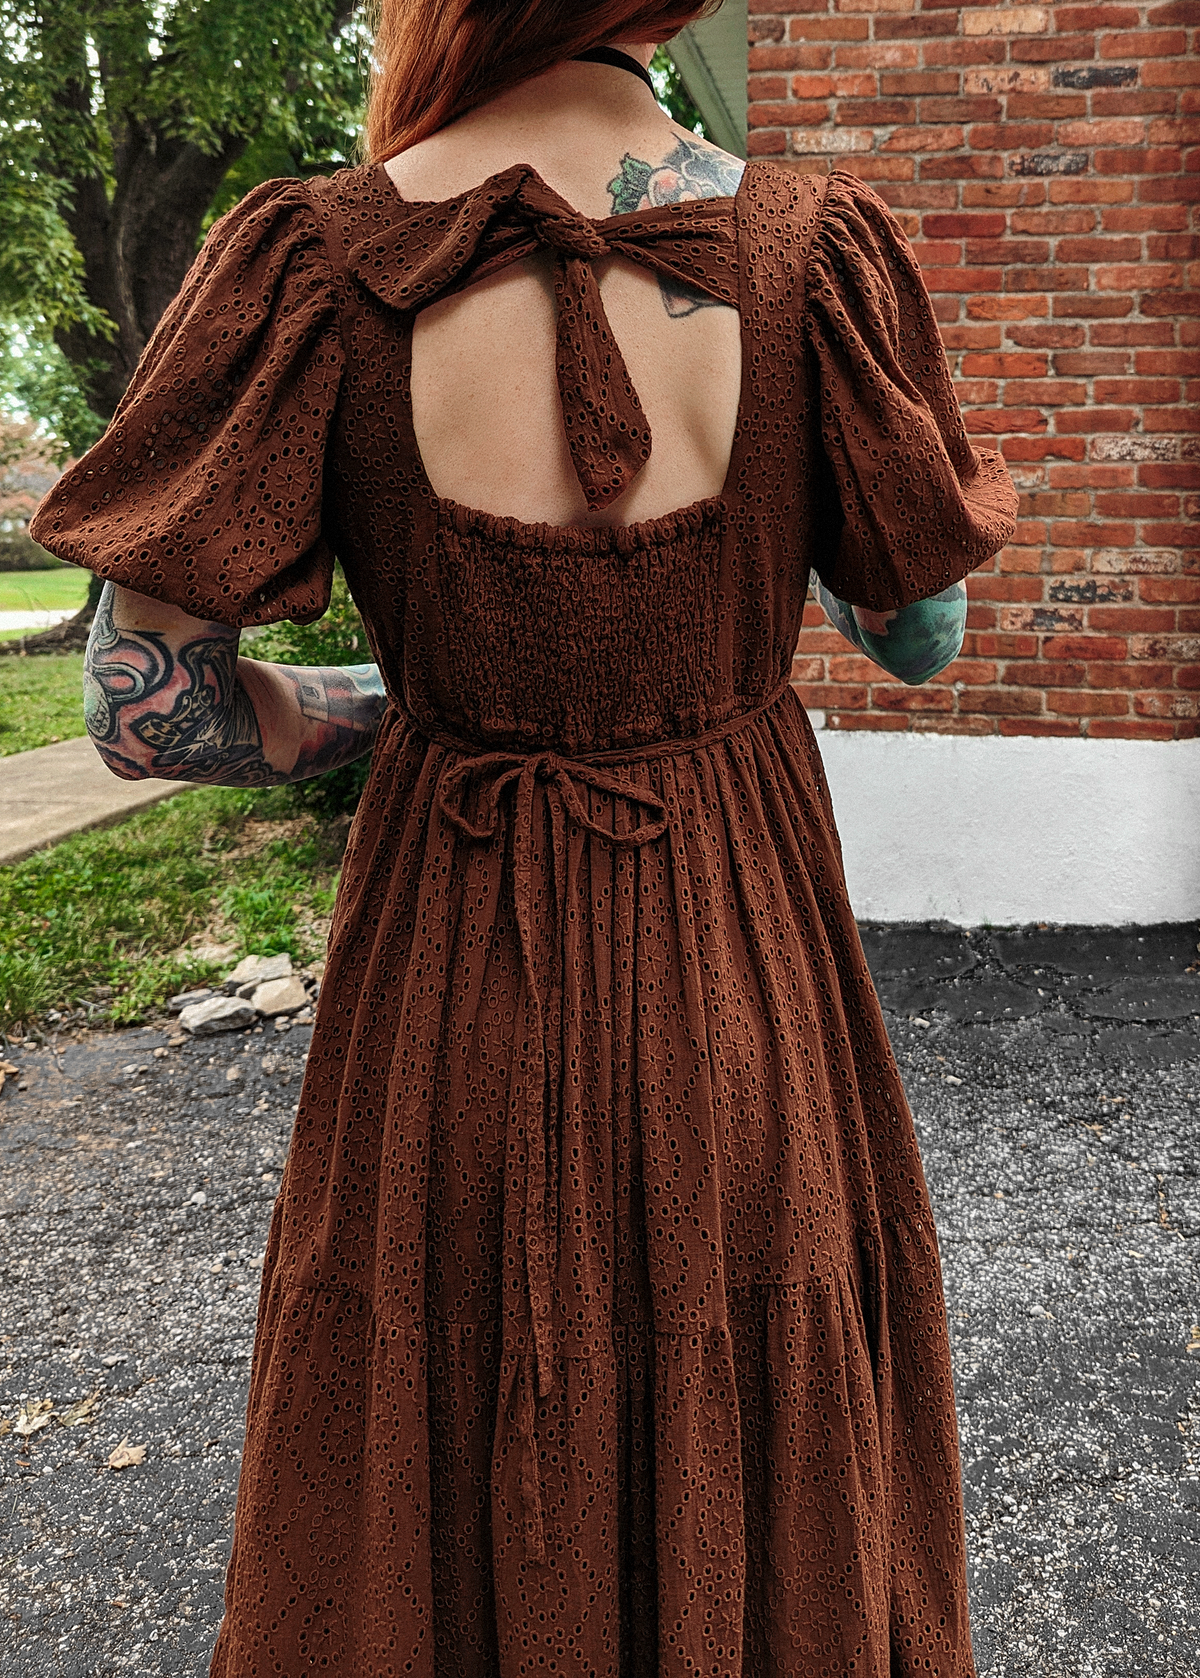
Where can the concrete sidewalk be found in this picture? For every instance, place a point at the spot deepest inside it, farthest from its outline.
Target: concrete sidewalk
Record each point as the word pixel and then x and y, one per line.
pixel 58 790
pixel 1055 1082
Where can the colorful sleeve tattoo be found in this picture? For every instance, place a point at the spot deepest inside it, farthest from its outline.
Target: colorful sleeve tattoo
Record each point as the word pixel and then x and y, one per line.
pixel 191 710
pixel 913 643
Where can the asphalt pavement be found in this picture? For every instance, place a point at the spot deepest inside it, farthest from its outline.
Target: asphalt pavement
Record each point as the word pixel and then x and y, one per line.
pixel 1055 1080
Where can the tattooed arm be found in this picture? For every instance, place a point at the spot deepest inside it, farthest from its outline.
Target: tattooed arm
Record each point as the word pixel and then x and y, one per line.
pixel 913 643
pixel 166 695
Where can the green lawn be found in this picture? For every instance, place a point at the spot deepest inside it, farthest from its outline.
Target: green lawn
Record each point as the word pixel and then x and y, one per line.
pixel 41 700
pixel 63 589
pixel 111 909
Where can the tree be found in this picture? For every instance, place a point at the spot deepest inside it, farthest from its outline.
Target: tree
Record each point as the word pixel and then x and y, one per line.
pixel 123 125
pixel 125 128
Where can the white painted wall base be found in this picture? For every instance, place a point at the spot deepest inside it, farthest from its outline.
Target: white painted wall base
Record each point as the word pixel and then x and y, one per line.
pixel 1009 831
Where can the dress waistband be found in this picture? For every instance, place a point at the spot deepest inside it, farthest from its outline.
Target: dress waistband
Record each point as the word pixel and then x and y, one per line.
pixel 676 747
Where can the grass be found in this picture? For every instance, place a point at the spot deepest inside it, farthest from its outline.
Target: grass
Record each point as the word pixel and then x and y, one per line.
pixel 41 699
pixel 43 591
pixel 105 917
pixel 62 589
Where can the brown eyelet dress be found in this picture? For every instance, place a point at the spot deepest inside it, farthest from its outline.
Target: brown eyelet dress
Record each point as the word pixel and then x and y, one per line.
pixel 601 1331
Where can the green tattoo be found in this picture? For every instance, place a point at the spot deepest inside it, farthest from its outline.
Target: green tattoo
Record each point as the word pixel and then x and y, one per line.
pixel 914 642
pixel 691 170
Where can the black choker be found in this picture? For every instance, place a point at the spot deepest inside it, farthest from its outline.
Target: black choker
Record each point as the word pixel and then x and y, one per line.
pixel 618 60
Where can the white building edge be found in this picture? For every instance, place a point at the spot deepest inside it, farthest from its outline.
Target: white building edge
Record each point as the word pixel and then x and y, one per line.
pixel 983 830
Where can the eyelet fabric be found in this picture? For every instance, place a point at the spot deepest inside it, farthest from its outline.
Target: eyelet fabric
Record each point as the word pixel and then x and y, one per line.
pixel 601 1330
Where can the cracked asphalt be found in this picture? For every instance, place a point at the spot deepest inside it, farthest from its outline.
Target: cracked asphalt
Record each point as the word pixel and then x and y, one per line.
pixel 1055 1079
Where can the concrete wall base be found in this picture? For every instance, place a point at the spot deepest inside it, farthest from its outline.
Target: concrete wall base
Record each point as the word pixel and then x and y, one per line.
pixel 1003 832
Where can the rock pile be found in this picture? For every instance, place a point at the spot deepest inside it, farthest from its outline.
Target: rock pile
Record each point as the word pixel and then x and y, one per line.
pixel 258 988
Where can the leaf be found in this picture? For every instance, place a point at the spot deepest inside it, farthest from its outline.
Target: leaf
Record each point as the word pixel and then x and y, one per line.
pixel 126 1455
pixel 32 1417
pixel 83 1410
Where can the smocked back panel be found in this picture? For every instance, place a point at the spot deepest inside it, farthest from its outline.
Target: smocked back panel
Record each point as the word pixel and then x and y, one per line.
pixel 518 635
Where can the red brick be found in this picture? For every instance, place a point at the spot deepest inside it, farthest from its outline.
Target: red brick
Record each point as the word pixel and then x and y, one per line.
pixel 990 424
pixel 1045 504
pixel 918 81
pixel 1167 705
pixel 818 696
pixel 1181 590
pixel 1118 505
pixel 1037 220
pixel 1090 191
pixel 864 722
pixel 1163 218
pixel 1092 420
pixel 1130 675
pixel 1043 448
pixel 1143 43
pixel 952 725
pixel 1130 102
pixel 829 29
pixel 1046 337
pixel 985 587
pixel 990 645
pixel 1091 476
pixel 1172 303
pixel 1006 365
pixel 1000 702
pixel 1170 475
pixel 1022 252
pixel 1163 160
pixel 1089 364
pixel 1136 620
pixel 1130 728
pixel 1038 726
pixel 1132 332
pixel 1088 704
pixel 1084 646
pixel 767 87
pixel 1007 308
pixel 1051 105
pixel 1051 49
pixel 911 699
pixel 1096 17
pixel 1110 250
pixel 961 168
pixel 940 226
pixel 876 56
pixel 1044 673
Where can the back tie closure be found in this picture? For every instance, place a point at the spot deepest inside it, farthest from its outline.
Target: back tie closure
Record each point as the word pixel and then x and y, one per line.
pixel 434 251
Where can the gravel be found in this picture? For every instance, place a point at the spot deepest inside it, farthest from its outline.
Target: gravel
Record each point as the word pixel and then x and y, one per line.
pixel 1055 1080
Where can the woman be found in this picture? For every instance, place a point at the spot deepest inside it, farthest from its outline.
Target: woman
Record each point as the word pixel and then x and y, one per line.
pixel 602 1327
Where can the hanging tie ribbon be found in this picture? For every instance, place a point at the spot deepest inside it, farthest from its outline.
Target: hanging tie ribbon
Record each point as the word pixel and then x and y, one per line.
pixel 563 782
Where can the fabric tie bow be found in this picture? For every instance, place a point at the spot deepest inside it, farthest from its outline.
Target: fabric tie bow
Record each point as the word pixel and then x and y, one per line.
pixel 534 1125
pixel 431 251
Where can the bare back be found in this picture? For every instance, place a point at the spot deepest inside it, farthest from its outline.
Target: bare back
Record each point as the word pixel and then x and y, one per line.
pixel 485 400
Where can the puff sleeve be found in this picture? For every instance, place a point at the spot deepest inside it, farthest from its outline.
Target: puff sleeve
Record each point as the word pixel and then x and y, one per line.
pixel 920 507
pixel 206 489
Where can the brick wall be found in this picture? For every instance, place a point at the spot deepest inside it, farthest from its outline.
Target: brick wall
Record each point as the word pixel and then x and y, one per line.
pixel 1043 160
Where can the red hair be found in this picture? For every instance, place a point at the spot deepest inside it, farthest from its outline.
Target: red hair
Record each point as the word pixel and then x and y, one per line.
pixel 435 59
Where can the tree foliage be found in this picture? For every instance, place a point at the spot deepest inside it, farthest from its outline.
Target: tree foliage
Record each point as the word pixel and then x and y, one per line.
pixel 125 126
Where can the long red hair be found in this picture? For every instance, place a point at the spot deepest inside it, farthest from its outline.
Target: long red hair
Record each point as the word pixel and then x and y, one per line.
pixel 435 59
